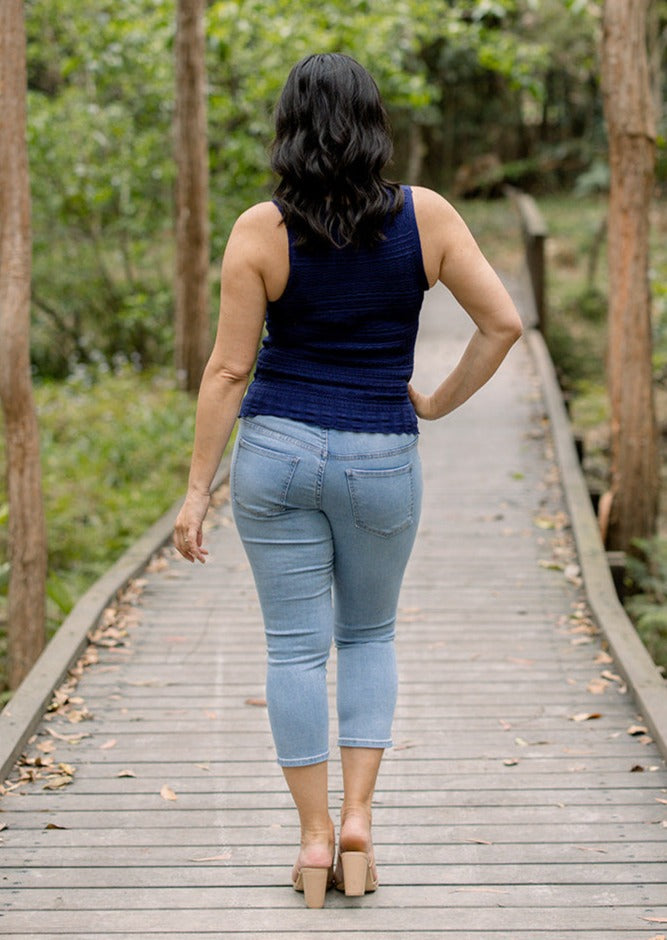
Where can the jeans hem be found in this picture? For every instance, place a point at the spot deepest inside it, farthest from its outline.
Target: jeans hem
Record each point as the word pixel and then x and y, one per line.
pixel 364 742
pixel 303 761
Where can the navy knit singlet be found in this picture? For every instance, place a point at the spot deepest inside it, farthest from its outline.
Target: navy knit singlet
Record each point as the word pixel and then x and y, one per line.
pixel 340 341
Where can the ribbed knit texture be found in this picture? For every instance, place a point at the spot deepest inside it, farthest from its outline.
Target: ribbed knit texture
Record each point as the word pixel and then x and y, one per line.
pixel 340 341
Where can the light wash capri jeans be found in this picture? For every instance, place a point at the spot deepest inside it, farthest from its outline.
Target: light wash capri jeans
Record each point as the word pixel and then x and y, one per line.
pixel 327 519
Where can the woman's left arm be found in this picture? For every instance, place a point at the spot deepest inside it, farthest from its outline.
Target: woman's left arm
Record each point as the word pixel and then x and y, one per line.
pixel 243 300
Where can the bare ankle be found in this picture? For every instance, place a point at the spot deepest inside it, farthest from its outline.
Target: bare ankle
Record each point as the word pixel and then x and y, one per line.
pixel 357 811
pixel 318 833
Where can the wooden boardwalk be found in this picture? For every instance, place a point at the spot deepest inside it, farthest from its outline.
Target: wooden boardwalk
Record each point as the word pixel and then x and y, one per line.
pixel 516 804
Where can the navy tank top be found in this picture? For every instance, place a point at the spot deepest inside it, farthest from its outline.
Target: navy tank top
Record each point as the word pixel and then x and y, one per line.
pixel 339 345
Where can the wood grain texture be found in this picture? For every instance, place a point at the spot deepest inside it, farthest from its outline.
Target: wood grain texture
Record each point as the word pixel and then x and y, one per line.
pixel 497 814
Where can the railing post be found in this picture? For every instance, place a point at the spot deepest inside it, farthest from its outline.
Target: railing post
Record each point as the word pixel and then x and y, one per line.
pixel 534 233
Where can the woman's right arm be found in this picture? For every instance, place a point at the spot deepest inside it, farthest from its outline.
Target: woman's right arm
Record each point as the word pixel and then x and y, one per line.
pixel 452 256
pixel 253 258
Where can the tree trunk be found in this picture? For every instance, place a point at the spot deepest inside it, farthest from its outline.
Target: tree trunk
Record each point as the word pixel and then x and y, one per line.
pixel 628 104
pixel 416 152
pixel 27 534
pixel 192 323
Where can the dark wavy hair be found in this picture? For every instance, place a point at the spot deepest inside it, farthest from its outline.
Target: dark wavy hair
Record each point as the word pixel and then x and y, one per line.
pixel 332 142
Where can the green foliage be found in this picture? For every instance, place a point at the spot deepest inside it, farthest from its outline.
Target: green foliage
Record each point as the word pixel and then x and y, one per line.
pixel 574 359
pixel 593 180
pixel 462 78
pixel 646 580
pixel 659 291
pixel 100 108
pixel 115 452
pixel 576 287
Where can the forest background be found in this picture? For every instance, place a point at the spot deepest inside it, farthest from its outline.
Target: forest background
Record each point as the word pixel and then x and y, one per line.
pixel 481 93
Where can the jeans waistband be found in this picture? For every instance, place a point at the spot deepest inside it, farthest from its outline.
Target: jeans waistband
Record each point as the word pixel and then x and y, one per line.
pixel 329 442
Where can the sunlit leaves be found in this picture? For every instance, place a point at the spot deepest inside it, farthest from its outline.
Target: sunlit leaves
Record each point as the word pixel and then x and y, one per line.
pixel 101 106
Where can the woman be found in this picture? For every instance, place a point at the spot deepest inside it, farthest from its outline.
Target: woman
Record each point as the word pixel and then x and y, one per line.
pixel 326 482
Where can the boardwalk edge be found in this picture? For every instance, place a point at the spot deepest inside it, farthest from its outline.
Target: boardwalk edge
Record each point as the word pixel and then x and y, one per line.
pixel 630 655
pixel 23 713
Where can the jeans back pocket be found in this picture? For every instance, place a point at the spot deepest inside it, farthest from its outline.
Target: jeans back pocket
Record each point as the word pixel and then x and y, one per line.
pixel 382 500
pixel 261 478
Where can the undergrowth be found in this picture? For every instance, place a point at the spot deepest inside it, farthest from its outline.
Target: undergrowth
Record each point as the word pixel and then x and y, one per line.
pixel 646 579
pixel 115 453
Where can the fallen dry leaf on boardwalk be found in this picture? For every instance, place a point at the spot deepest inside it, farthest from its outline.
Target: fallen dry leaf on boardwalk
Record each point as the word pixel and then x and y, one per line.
pixel 69 738
pixel 55 781
pixel 550 565
pixel 167 793
pixel 585 716
pixel 480 890
pixel 214 858
pixel 46 747
pixel 612 676
pixel 637 729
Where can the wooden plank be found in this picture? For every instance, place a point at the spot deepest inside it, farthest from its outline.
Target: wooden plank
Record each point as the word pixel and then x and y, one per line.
pixel 269 835
pixel 272 876
pixel 537 767
pixel 200 749
pixel 326 931
pixel 213 800
pixel 279 897
pixel 243 720
pixel 405 816
pixel 99 782
pixel 252 856
pixel 342 918
pixel 312 934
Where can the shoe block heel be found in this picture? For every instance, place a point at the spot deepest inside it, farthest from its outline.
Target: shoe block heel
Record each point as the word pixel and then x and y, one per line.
pixel 315 882
pixel 356 873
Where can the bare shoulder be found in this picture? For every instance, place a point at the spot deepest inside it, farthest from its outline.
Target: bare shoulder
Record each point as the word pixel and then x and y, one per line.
pixel 258 230
pixel 260 219
pixel 432 208
pixel 441 229
pixel 258 242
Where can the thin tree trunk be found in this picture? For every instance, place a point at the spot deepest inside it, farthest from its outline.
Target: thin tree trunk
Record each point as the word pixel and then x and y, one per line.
pixel 416 153
pixel 192 325
pixel 27 534
pixel 628 103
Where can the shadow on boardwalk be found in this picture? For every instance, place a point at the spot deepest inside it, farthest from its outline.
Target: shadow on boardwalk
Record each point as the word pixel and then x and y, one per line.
pixel 516 803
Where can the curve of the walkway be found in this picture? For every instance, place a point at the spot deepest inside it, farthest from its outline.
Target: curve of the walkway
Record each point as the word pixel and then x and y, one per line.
pixel 524 798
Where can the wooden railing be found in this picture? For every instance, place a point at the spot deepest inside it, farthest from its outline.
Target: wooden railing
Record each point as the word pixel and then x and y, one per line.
pixel 534 233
